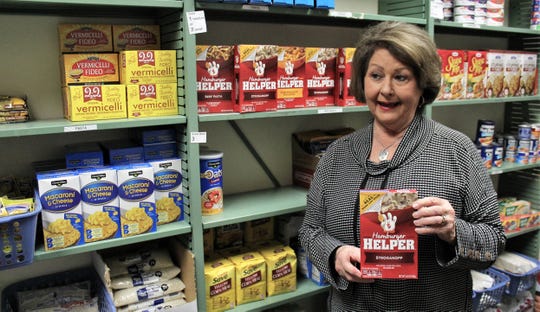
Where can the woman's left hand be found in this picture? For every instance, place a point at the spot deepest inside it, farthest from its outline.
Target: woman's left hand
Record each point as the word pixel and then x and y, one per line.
pixel 435 215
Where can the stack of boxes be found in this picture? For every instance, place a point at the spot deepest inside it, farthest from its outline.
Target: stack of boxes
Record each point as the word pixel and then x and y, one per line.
pixel 320 4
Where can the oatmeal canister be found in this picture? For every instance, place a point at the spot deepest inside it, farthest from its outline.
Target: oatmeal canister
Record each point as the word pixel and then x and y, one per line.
pixel 211 165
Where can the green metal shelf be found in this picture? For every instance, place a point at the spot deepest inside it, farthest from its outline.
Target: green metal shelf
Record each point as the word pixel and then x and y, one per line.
pixel 284 113
pixel 494 29
pixel 523 232
pixel 52 126
pixel 255 205
pixel 485 101
pixel 304 288
pixel 165 230
pixel 509 167
pixel 33 4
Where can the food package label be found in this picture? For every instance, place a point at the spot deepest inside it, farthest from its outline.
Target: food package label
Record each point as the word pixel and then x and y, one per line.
pixel 148 66
pixel 476 74
pixel 62 215
pixel 85 38
pixel 136 37
pixel 168 190
pixel 529 74
pixel 255 68
pixel 343 94
pixel 280 269
pixel 495 74
pixel 84 68
pixel 388 241
pixel 512 74
pixel 291 89
pixel 452 74
pixel 152 100
pixel 94 102
pixel 320 76
pixel 99 195
pixel 136 196
pixel 250 277
pixel 215 78
pixel 220 283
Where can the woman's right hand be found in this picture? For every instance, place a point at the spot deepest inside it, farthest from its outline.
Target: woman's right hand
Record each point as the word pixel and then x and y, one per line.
pixel 348 263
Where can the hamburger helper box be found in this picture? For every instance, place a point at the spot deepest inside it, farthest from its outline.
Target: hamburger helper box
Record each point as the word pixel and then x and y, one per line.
pixel 215 78
pixel 255 68
pixel 388 241
pixel 291 90
pixel 344 72
pixel 320 76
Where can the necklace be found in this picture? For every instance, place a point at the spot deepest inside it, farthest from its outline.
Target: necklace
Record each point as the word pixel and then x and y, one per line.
pixel 383 154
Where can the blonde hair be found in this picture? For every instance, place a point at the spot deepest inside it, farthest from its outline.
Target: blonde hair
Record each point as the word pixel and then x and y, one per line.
pixel 409 44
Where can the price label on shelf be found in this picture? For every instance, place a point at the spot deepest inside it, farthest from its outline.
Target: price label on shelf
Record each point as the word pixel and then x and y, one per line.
pixel 198 137
pixel 330 110
pixel 80 128
pixel 255 7
pixel 196 22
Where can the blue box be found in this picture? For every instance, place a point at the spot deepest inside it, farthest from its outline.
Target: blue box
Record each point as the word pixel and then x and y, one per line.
pixel 122 152
pixel 260 2
pixel 305 3
pixel 159 151
pixel 235 1
pixel 324 4
pixel 81 155
pixel 155 135
pixel 283 2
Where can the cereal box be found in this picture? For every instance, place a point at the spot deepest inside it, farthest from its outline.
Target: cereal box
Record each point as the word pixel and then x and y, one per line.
pixel 452 74
pixel 85 38
pixel 136 196
pixel 94 102
pixel 215 78
pixel 388 241
pixel 84 68
pixel 168 190
pixel 136 37
pixel 62 215
pixel 320 76
pixel 476 74
pixel 343 94
pixel 250 277
pixel 280 269
pixel 148 66
pixel 529 74
pixel 255 68
pixel 151 100
pixel 220 283
pixel 101 211
pixel 291 90
pixel 512 73
pixel 495 74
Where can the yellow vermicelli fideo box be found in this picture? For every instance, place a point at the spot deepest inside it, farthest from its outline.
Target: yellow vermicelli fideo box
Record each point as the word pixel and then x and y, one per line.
pixel 280 269
pixel 150 100
pixel 136 37
pixel 94 102
pixel 84 68
pixel 99 197
pixel 250 277
pixel 136 196
pixel 85 38
pixel 62 216
pixel 168 190
pixel 219 276
pixel 148 66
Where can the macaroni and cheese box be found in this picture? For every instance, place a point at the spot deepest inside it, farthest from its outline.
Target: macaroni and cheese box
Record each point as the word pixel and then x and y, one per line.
pixel 220 284
pixel 136 199
pixel 158 151
pixel 136 37
pixel 85 154
pixel 168 191
pixel 100 205
pixel 343 94
pixel 94 102
pixel 85 38
pixel 291 84
pixel 148 66
pixel 388 241
pixel 121 152
pixel 215 78
pixel 255 68
pixel 152 100
pixel 61 214
pixel 320 76
pixel 85 68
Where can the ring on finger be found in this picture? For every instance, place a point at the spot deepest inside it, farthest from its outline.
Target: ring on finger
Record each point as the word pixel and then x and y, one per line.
pixel 443 219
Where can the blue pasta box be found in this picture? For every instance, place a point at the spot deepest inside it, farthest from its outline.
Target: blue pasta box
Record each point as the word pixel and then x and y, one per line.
pixel 283 2
pixel 81 155
pixel 260 2
pixel 121 152
pixel 154 135
pixel 235 1
pixel 304 3
pixel 161 150
pixel 168 190
pixel 324 4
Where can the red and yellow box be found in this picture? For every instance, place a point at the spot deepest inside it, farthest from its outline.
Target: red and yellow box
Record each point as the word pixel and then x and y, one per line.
pixel 321 76
pixel 136 37
pixel 476 74
pixel 291 83
pixel 94 102
pixel 343 95
pixel 452 74
pixel 151 100
pixel 74 38
pixel 148 66
pixel 84 68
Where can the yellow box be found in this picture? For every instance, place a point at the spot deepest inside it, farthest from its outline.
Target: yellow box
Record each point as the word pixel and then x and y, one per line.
pixel 150 100
pixel 85 38
pixel 89 68
pixel 148 66
pixel 94 102
pixel 136 37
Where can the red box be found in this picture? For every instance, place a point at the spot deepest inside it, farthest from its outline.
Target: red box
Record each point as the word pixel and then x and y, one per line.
pixel 215 79
pixel 343 96
pixel 321 76
pixel 255 68
pixel 452 74
pixel 476 73
pixel 291 84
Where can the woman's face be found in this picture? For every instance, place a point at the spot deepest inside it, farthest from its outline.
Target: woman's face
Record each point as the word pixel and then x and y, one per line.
pixel 391 90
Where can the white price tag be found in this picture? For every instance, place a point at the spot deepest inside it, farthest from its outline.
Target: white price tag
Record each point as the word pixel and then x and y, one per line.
pixel 196 22
pixel 80 128
pixel 198 137
pixel 340 13
pixel 255 7
pixel 330 110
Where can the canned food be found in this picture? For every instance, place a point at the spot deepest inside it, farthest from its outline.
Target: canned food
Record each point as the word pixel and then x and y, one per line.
pixel 498 155
pixel 524 131
pixel 522 155
pixel 533 151
pixel 535 131
pixel 485 130
pixel 211 166
pixel 510 143
pixel 510 156
pixel 486 152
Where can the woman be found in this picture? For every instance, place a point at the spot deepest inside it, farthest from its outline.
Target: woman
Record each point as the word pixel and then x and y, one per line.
pixel 397 73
